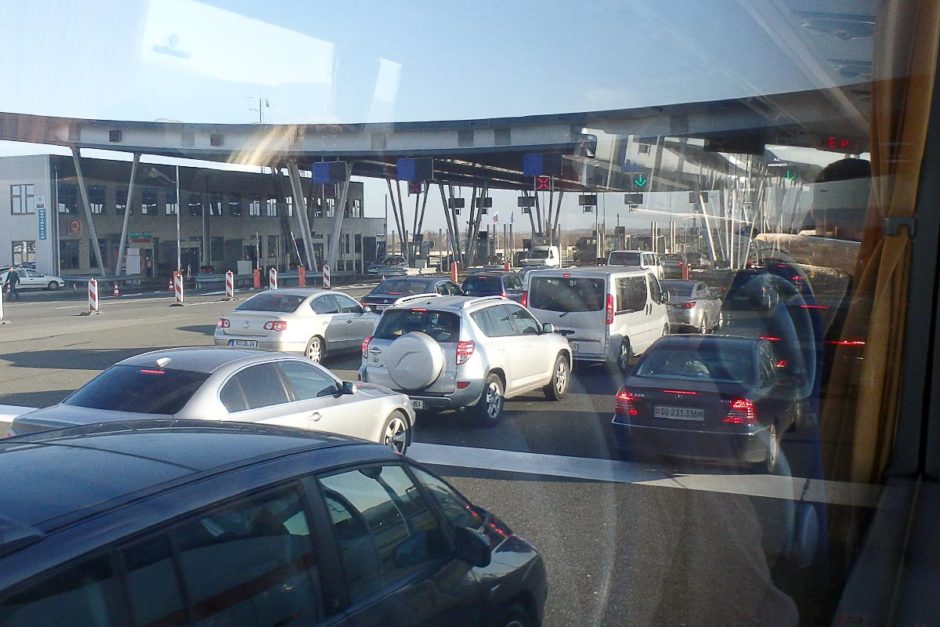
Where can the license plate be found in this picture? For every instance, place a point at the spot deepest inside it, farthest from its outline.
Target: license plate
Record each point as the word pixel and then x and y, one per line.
pixel 417 404
pixel 244 343
pixel 678 413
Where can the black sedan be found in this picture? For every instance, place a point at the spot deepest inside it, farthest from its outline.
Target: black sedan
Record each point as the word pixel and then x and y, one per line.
pixel 188 522
pixel 706 397
pixel 506 284
pixel 390 290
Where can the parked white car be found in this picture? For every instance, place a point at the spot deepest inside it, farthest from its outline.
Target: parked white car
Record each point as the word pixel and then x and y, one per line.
pixel 312 322
pixel 34 279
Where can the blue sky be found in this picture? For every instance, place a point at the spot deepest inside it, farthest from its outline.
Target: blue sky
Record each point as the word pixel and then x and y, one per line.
pixel 378 61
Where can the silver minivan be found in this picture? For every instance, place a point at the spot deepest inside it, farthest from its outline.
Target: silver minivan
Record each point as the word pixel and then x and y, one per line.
pixel 608 314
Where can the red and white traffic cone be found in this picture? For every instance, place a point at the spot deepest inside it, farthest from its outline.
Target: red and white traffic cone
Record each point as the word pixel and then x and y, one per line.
pixel 116 292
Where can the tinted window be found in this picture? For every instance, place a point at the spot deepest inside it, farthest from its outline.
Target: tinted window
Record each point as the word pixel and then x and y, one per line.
pixel 262 386
pixel 384 527
pixel 80 596
pixel 273 302
pixel 524 322
pixel 500 321
pixel 443 326
pixel 346 304
pixel 233 395
pixel 401 287
pixel 456 508
pixel 307 381
pixel 631 294
pixel 566 294
pixel 153 588
pixel 325 304
pixel 483 286
pixel 726 364
pixel 680 289
pixel 483 321
pixel 656 294
pixel 137 389
pixel 624 259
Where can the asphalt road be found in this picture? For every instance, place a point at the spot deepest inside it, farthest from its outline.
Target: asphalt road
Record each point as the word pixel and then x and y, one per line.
pixel 651 542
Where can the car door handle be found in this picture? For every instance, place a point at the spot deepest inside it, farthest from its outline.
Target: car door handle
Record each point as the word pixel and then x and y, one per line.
pixel 349 322
pixel 315 416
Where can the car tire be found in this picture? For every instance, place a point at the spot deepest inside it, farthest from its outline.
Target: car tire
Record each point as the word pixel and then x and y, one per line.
pixel 489 409
pixel 623 355
pixel 316 349
pixel 53 285
pixel 396 432
pixel 557 388
pixel 769 464
pixel 515 616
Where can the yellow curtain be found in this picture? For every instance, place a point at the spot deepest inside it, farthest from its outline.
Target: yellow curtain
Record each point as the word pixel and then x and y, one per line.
pixel 859 423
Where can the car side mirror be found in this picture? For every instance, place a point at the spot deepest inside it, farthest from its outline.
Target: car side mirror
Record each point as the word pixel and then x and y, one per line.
pixel 472 547
pixel 349 387
pixel 548 327
pixel 366 309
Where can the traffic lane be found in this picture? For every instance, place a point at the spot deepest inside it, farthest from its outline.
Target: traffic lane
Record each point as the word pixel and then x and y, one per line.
pixel 632 554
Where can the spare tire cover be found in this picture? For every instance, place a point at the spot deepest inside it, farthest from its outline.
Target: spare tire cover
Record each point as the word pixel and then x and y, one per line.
pixel 414 361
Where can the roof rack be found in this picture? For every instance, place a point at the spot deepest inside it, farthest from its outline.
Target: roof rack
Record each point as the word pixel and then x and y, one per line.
pixel 479 299
pixel 407 299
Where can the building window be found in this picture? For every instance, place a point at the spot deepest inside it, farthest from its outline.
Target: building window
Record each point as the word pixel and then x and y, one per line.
pixel 22 199
pixel 24 251
pixel 171 204
pixel 271 207
pixel 330 205
pixel 272 251
pixel 102 246
pixel 289 203
pixel 235 204
pixel 254 206
pixel 215 204
pixel 120 201
pixel 347 243
pixel 195 204
pixel 356 207
pixel 148 202
pixel 97 195
pixel 68 254
pixel 643 149
pixel 68 199
pixel 358 243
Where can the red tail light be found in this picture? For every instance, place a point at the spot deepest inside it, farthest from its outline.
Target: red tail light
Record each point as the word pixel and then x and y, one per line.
pixel 770 338
pixel 846 342
pixel 524 301
pixel 781 364
pixel 464 351
pixel 624 403
pixel 742 412
pixel 689 305
pixel 681 392
pixel 275 325
pixel 610 309
pixel 223 323
pixel 504 294
pixel 365 347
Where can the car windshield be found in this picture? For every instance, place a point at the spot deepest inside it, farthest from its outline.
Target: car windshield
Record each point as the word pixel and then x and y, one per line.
pixel 624 259
pixel 139 389
pixel 483 285
pixel 397 287
pixel 272 302
pixel 723 365
pixel 566 293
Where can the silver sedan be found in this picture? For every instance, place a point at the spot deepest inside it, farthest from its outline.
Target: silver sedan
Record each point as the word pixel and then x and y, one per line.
pixel 311 322
pixel 232 384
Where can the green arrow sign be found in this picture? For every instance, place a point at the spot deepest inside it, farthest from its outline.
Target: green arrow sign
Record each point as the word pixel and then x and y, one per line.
pixel 790 176
pixel 640 180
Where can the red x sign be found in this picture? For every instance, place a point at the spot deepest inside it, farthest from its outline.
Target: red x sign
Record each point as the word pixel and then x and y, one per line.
pixel 543 183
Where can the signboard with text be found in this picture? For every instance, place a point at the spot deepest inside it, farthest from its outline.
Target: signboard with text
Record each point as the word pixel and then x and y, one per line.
pixel 42 223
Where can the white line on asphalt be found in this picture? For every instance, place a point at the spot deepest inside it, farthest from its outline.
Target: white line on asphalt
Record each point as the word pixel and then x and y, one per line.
pixel 612 471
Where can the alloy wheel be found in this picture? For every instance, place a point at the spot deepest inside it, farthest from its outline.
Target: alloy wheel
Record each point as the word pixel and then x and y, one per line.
pixel 396 434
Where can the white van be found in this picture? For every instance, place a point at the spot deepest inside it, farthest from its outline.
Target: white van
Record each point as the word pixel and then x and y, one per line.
pixel 608 314
pixel 637 258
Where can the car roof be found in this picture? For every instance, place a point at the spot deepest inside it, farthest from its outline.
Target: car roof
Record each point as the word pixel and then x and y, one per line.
pixel 201 358
pixel 56 477
pixel 453 303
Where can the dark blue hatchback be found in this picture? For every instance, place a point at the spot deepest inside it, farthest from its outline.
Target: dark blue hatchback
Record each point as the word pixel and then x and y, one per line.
pixel 170 522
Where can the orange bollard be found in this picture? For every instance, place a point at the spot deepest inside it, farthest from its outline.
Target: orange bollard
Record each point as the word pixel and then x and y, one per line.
pixel 453 272
pixel 301 277
pixel 256 279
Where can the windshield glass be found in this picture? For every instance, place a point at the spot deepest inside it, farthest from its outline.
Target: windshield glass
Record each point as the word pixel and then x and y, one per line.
pixel 275 303
pixel 140 390
pixel 483 285
pixel 723 366
pixel 397 287
pixel 678 289
pixel 624 259
pixel 566 294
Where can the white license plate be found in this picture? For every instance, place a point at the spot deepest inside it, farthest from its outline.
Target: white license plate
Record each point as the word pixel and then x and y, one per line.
pixel 244 343
pixel 678 413
pixel 417 404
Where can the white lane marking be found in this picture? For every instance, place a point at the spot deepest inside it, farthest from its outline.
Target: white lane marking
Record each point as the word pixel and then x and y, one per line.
pixel 613 471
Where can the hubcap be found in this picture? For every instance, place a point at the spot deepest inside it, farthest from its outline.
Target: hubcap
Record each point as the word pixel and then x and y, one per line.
pixel 493 400
pixel 396 435
pixel 313 353
pixel 561 376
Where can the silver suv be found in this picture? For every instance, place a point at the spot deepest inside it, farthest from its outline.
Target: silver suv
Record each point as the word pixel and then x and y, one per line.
pixel 453 352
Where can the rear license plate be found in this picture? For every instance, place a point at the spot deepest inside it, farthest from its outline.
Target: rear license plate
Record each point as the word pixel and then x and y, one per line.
pixel 244 343
pixel 679 413
pixel 417 404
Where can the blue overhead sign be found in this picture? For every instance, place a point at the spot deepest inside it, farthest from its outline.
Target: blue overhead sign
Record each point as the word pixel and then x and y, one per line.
pixel 326 172
pixel 541 164
pixel 415 169
pixel 42 224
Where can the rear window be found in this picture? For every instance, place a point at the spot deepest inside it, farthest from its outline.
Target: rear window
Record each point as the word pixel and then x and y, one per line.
pixel 278 303
pixel 482 286
pixel 443 326
pixel 139 389
pixel 538 254
pixel 624 259
pixel 566 293
pixel 725 364
pixel 676 289
pixel 402 287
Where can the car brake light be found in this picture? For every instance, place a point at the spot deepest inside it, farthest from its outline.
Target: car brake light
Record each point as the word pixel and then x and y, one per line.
pixel 681 392
pixel 463 385
pixel 504 294
pixel 846 342
pixel 770 338
pixel 419 310
pixel 147 371
pixel 688 305
pixel 223 323
pixel 813 307
pixel 464 351
pixel 365 346
pixel 781 364
pixel 623 403
pixel 796 277
pixel 275 325
pixel 610 309
pixel 524 301
pixel 742 412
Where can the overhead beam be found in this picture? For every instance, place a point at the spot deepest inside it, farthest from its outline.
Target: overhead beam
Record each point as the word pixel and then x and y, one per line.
pixel 76 158
pixel 120 263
